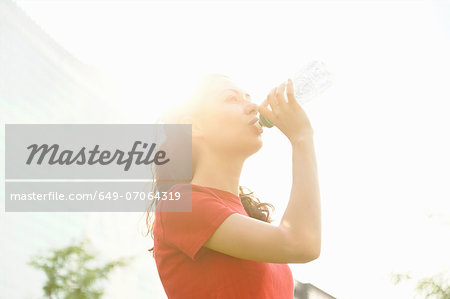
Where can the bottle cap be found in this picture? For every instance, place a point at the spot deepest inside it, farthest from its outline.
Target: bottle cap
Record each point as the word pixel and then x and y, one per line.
pixel 264 121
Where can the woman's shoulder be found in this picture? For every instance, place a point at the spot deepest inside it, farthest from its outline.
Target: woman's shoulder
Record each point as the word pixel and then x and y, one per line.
pixel 186 187
pixel 191 191
pixel 198 191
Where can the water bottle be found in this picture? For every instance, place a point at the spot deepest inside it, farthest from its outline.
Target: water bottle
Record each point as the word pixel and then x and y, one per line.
pixel 310 81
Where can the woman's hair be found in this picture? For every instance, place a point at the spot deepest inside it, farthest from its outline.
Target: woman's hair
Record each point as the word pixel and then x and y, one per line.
pixel 250 202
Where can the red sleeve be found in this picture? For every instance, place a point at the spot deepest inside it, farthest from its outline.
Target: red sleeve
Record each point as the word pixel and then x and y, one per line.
pixel 188 231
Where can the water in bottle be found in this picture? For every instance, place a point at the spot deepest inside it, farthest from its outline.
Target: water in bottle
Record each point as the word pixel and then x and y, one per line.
pixel 309 82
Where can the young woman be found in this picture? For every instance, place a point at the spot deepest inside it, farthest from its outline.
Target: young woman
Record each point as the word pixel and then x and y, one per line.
pixel 227 247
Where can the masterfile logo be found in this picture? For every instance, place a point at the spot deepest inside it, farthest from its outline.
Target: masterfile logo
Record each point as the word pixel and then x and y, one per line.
pixel 95 167
pixel 68 157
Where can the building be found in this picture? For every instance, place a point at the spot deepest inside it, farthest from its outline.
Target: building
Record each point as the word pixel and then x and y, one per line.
pixel 309 291
pixel 41 82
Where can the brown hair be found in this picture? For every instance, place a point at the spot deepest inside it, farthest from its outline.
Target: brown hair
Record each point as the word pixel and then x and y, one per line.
pixel 252 205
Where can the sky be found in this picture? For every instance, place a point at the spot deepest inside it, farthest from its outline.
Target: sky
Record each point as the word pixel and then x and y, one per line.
pixel 381 130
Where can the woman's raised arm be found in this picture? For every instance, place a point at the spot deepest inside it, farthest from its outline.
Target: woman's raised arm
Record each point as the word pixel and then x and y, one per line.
pixel 297 239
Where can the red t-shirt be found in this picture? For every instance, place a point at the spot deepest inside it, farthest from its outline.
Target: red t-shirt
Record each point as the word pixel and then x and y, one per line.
pixel 189 270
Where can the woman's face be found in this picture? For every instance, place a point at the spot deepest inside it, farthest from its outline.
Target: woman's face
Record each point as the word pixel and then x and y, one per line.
pixel 229 119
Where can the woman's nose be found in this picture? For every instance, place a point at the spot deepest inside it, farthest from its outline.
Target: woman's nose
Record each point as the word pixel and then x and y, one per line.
pixel 251 108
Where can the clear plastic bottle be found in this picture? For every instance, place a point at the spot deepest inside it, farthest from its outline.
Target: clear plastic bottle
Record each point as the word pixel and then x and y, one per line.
pixel 309 82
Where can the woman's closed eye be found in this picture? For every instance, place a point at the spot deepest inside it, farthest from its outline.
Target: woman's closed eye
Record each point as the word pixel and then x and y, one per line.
pixel 233 99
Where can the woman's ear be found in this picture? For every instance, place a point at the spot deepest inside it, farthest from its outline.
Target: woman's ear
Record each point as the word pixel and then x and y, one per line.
pixel 196 127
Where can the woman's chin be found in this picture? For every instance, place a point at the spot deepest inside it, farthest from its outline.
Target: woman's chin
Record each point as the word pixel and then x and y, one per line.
pixel 257 144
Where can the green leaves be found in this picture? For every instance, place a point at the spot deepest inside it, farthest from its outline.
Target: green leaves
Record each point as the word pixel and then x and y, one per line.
pixel 436 285
pixel 73 273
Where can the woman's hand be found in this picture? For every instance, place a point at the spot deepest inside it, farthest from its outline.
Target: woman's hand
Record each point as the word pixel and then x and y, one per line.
pixel 287 115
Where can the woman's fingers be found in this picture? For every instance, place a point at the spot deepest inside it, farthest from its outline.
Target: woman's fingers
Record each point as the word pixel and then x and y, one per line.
pixel 280 94
pixel 290 92
pixel 276 99
pixel 272 98
pixel 262 109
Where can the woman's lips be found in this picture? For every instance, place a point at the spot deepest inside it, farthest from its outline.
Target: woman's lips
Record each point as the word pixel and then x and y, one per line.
pixel 253 121
pixel 258 128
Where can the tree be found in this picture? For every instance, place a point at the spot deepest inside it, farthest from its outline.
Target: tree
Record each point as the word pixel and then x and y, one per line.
pixel 435 286
pixel 71 273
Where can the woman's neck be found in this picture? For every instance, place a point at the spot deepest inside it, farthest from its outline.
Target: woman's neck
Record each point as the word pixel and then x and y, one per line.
pixel 219 173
